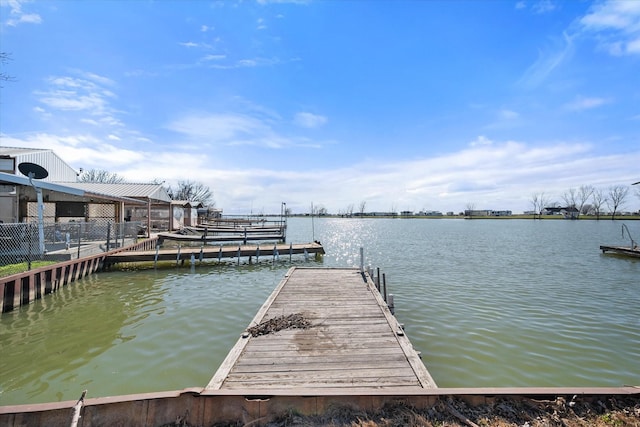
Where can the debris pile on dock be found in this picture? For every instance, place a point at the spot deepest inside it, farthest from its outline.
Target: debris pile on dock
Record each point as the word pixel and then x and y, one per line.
pixel 292 321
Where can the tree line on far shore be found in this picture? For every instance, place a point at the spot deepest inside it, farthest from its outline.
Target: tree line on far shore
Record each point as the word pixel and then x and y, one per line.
pixel 585 200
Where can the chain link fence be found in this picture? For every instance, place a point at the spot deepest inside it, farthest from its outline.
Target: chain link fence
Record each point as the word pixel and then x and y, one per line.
pixel 23 243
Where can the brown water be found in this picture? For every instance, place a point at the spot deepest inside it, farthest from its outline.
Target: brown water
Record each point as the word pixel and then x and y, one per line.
pixel 489 303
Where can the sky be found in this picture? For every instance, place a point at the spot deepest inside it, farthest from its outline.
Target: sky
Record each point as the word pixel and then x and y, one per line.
pixel 394 105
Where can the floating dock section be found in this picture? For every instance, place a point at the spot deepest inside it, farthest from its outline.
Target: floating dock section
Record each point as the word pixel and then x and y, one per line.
pixel 188 253
pixel 621 250
pixel 323 328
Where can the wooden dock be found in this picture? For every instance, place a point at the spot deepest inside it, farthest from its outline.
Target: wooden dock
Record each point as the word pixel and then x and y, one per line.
pixel 222 234
pixel 621 250
pixel 182 254
pixel 351 341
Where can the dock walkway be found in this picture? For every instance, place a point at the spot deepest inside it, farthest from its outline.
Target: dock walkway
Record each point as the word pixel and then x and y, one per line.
pixel 352 341
pixel 215 252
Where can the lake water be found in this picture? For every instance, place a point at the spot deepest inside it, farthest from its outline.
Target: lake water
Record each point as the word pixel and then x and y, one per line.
pixel 489 303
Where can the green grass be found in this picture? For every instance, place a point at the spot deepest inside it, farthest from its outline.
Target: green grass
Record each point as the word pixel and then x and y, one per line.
pixel 8 270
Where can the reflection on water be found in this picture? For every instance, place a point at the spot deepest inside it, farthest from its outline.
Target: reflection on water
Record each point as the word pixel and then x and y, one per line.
pixel 488 303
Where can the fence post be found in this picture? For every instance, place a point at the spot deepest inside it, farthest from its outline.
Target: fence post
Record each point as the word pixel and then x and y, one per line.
pixel 79 238
pixel 108 235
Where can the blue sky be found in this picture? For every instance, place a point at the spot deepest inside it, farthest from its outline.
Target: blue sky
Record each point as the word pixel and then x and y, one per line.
pixel 403 105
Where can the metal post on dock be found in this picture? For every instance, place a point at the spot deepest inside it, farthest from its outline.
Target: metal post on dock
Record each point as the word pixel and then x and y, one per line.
pixel 384 286
pixel 155 259
pixel 377 280
pixel 178 255
pixel 290 251
pixel 220 254
pixel 258 254
pixel 201 253
pixel 238 254
pixel 391 304
pixel 361 259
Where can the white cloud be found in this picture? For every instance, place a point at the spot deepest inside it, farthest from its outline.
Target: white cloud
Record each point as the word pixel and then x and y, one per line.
pixel 309 120
pixel 17 15
pixel 508 114
pixel 491 174
pixel 543 6
pixel 547 62
pixel 236 130
pixel 480 141
pixel 616 25
pixel 87 95
pixel 585 103
pixel 213 58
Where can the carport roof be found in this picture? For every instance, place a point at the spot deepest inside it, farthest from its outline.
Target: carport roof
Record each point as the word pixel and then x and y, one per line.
pixel 155 192
pixel 66 188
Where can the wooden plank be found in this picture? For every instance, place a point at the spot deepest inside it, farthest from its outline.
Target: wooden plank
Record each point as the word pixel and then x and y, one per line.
pixel 352 341
pixel 230 360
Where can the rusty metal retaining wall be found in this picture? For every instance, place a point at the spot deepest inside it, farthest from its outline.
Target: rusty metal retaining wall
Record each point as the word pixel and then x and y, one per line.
pixel 23 288
pixel 249 407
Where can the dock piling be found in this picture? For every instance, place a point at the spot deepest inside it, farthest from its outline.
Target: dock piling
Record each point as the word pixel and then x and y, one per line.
pixel 384 286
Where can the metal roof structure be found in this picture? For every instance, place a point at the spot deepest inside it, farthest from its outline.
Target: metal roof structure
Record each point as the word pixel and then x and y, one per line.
pixel 58 169
pixel 152 192
pixel 7 178
pixel 16 151
pixel 187 203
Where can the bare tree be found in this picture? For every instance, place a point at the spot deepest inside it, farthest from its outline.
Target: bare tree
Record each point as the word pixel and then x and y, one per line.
pixel 545 202
pixel 192 191
pixel 598 200
pixel 617 197
pixel 349 211
pixel 5 57
pixel 577 199
pixel 470 208
pixel 569 197
pixel 535 203
pixel 363 206
pixel 98 175
pixel 584 194
pixel 538 201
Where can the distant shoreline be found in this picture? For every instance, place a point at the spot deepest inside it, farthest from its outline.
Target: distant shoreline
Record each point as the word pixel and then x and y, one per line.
pixel 634 217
